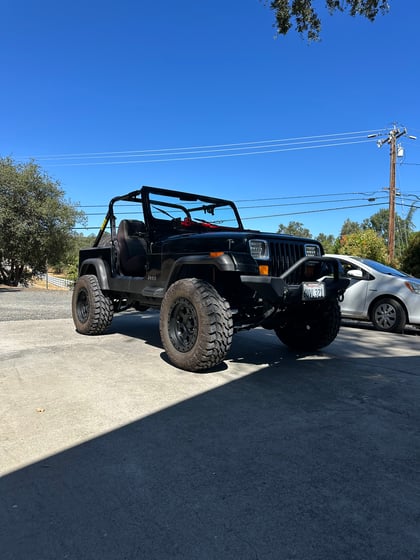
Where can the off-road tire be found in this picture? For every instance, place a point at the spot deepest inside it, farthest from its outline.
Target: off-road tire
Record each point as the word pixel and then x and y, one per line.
pixel 312 327
pixel 388 315
pixel 92 310
pixel 196 326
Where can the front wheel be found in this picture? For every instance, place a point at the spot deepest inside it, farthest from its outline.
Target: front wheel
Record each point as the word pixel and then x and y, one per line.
pixel 311 327
pixel 92 310
pixel 388 315
pixel 196 325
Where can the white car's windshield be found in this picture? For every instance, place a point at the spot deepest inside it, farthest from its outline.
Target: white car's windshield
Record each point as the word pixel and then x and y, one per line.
pixel 379 267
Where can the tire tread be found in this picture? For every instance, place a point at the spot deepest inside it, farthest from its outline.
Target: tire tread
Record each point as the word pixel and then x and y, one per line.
pixel 216 330
pixel 100 307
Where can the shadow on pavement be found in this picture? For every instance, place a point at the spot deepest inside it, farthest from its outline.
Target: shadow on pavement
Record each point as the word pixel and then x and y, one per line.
pixel 366 325
pixel 137 325
pixel 302 459
pixel 4 288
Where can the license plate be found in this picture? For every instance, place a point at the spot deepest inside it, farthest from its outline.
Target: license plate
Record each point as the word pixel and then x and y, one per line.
pixel 313 291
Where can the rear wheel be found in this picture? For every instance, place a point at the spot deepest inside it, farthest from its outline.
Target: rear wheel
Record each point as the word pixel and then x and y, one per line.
pixel 388 315
pixel 92 310
pixel 311 327
pixel 196 325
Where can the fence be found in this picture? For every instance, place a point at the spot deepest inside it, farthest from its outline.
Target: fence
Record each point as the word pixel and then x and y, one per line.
pixel 55 281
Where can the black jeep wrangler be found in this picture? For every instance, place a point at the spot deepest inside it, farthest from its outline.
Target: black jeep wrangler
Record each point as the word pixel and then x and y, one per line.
pixel 190 256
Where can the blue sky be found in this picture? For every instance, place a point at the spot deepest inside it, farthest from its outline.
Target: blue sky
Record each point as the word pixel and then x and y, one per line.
pixel 128 86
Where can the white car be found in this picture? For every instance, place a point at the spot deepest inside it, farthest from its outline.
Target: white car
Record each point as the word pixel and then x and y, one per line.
pixel 387 297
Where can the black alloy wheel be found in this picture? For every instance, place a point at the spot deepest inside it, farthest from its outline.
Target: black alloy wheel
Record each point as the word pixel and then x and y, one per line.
pixel 196 325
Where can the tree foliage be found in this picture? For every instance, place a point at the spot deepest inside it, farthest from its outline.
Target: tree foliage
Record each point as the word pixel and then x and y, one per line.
pixel 306 19
pixel 327 241
pixel 35 221
pixel 294 228
pixel 364 243
pixel 379 222
pixel 411 260
pixel 350 227
pixel 368 239
pixel 70 264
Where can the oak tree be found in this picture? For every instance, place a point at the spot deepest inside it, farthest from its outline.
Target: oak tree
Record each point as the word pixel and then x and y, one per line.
pixel 306 19
pixel 35 221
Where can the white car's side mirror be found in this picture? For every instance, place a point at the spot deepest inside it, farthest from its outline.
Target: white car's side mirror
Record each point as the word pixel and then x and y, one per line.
pixel 355 273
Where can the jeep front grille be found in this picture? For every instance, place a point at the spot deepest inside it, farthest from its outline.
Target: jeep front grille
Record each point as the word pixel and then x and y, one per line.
pixel 284 254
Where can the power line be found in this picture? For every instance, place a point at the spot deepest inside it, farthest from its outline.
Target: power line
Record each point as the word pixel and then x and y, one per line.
pixel 306 203
pixel 237 201
pixel 239 149
pixel 313 202
pixel 206 148
pixel 313 211
pixel 298 212
pixel 212 156
pixel 300 196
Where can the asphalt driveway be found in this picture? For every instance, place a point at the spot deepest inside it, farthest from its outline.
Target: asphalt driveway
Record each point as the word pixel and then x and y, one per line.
pixel 108 451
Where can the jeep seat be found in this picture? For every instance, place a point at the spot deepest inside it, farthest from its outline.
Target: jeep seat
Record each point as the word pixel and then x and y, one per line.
pixel 132 247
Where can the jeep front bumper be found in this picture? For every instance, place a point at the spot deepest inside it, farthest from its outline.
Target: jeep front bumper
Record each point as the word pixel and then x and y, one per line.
pixel 276 290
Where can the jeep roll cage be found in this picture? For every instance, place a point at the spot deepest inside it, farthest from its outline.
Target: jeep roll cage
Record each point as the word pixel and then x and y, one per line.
pixel 142 196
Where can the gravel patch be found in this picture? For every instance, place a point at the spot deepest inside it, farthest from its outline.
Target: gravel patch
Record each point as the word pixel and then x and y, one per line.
pixel 23 304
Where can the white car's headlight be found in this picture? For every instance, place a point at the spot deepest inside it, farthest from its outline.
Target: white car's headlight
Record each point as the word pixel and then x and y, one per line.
pixel 259 249
pixel 413 287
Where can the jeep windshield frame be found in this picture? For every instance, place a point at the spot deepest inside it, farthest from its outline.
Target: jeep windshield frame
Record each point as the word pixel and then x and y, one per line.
pixel 177 200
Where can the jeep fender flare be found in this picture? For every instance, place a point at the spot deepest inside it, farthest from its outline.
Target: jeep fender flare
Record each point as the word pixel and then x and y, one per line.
pixel 99 268
pixel 224 262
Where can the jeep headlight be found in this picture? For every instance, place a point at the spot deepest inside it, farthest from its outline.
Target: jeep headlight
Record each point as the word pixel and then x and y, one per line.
pixel 259 249
pixel 312 251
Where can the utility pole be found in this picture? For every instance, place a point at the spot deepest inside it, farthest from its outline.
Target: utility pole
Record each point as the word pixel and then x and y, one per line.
pixel 391 139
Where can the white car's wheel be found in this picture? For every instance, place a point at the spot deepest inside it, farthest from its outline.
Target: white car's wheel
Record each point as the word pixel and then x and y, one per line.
pixel 388 315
